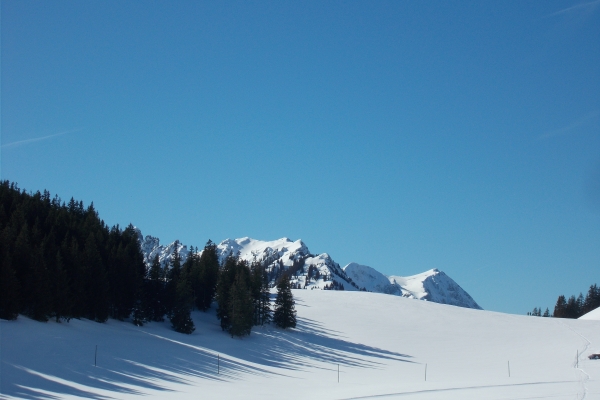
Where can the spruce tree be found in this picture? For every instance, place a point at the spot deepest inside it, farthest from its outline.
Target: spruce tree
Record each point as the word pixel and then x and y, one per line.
pixel 261 294
pixel 285 312
pixel 62 299
pixel 561 307
pixel 226 279
pixel 241 309
pixel 592 299
pixel 180 315
pixel 572 308
pixel 138 314
pixel 39 289
pixel 97 282
pixel 9 289
pixel 172 279
pixel 154 309
pixel 546 313
pixel 207 276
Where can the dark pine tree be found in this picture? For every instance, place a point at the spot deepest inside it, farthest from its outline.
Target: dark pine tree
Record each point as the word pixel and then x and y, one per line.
pixel 77 265
pixel 592 299
pixel 206 276
pixel 138 315
pixel 62 298
pixel 261 295
pixel 39 288
pixel 285 311
pixel 154 286
pixel 546 313
pixel 223 297
pixel 180 315
pixel 572 309
pixel 96 282
pixel 9 289
pixel 560 309
pixel 172 280
pixel 241 309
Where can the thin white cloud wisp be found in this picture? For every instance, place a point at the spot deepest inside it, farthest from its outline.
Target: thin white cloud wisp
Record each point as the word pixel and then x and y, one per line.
pixel 38 139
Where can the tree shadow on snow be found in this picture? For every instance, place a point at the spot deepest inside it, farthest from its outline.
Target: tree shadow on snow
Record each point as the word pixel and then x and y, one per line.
pixel 310 342
pixel 153 357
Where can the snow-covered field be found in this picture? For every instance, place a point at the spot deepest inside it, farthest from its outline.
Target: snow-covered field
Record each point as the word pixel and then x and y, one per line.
pixel 382 344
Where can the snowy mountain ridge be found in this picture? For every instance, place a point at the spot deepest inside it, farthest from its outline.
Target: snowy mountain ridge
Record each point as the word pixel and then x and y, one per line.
pixel 433 285
pixel 310 271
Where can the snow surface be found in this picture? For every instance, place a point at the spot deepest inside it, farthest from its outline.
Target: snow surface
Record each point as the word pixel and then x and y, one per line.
pixel 592 315
pixel 382 345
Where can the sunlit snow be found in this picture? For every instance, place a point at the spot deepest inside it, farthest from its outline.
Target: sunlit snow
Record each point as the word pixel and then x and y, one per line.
pixel 381 344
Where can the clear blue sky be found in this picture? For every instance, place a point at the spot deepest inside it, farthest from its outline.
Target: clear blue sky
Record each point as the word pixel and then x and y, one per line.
pixel 463 136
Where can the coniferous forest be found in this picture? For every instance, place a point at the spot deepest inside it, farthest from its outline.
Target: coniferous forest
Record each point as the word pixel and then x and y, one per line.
pixel 60 260
pixel 573 307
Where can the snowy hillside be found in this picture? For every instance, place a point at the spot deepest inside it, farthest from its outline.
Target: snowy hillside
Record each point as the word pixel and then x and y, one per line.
pixel 432 285
pixel 592 315
pixel 383 346
pixel 310 271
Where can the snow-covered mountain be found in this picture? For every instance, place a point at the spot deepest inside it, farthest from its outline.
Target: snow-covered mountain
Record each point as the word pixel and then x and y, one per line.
pixel 308 270
pixel 433 285
pixel 320 271
pixel 151 247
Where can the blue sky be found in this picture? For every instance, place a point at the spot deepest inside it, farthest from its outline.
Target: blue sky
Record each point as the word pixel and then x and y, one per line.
pixel 462 136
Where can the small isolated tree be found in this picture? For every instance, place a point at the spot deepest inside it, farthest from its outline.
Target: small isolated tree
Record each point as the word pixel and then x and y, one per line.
pixel 546 313
pixel 285 310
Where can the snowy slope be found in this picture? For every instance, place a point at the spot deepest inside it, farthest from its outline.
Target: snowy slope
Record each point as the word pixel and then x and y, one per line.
pixel 320 271
pixel 592 315
pixel 381 344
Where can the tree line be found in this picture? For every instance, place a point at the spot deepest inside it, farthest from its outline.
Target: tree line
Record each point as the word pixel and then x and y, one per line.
pixel 60 260
pixel 573 307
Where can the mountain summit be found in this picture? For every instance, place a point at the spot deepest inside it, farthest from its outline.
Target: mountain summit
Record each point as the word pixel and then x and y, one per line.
pixel 320 271
pixel 433 285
